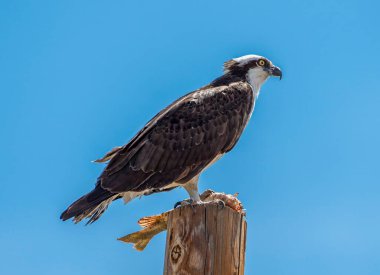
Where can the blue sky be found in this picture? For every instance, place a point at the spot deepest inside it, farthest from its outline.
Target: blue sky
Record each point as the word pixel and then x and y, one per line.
pixel 80 77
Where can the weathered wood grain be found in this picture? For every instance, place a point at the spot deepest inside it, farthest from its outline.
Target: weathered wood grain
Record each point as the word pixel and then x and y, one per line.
pixel 205 239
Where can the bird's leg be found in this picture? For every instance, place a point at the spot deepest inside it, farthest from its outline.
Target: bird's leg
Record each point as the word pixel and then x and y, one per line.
pixel 192 189
pixel 195 199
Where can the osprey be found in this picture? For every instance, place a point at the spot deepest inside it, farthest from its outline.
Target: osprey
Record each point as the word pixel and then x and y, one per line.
pixel 181 141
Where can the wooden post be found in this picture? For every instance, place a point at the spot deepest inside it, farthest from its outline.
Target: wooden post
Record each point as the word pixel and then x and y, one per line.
pixel 206 239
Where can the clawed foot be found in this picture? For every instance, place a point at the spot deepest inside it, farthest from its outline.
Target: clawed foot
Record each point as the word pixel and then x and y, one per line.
pixel 188 202
pixel 183 203
pixel 206 194
pixel 221 199
pixel 221 204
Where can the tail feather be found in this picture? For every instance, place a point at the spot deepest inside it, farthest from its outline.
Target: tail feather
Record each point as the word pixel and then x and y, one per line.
pixel 91 205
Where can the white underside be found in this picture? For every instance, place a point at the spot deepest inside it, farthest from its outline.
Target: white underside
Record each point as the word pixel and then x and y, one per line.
pixel 130 195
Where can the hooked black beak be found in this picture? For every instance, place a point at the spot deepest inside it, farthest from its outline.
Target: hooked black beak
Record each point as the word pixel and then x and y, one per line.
pixel 275 71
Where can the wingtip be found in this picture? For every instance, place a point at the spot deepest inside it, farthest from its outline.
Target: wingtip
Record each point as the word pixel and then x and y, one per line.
pixel 64 215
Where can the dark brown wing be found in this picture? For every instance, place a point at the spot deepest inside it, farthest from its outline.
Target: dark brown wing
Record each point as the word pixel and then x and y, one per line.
pixel 180 141
pixel 176 145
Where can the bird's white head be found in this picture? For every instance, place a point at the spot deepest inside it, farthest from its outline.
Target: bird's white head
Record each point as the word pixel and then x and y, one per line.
pixel 254 68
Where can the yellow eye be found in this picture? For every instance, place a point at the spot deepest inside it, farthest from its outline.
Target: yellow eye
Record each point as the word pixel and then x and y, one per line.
pixel 261 62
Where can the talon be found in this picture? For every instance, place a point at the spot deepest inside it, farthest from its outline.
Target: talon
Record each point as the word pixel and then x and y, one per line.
pixel 182 203
pixel 177 204
pixel 221 204
pixel 193 203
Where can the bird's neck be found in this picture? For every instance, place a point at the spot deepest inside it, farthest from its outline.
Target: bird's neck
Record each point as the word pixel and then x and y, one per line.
pixel 256 78
pixel 255 88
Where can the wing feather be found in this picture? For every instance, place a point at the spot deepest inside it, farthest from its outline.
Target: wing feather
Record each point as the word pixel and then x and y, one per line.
pixel 182 140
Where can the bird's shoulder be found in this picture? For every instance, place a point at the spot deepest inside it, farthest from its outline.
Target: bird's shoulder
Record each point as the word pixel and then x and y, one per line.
pixel 197 105
pixel 211 95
